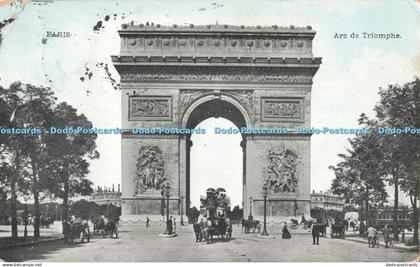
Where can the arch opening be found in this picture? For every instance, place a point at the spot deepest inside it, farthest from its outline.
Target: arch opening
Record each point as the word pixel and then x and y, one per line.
pixel 215 160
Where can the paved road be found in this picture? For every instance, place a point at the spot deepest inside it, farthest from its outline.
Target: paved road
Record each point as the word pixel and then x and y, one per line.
pixel 136 243
pixel 54 229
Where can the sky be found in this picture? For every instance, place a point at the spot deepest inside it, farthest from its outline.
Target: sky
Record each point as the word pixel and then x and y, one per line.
pixel 345 86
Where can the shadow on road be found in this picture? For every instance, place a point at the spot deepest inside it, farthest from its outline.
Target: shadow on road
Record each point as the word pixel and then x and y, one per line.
pixel 37 252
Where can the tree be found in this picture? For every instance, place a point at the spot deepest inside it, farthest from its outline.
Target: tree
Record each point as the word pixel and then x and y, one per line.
pixel 69 155
pixel 399 107
pixel 37 112
pixel 11 145
pixel 39 162
pixel 359 176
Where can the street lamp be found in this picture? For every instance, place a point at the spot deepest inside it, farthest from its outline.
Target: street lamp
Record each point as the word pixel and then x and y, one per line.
pixel 250 205
pixel 403 225
pixel 167 195
pixel 25 221
pixel 182 211
pixel 265 192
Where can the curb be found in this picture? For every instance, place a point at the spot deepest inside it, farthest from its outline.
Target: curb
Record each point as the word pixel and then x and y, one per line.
pixel 411 248
pixel 31 243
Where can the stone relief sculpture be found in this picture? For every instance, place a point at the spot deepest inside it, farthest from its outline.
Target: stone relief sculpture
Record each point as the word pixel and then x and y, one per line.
pixel 246 97
pixel 282 109
pixel 218 77
pixel 282 170
pixel 150 170
pixel 187 97
pixel 149 108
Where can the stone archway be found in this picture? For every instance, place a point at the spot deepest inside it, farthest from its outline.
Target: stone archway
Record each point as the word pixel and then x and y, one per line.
pixel 208 106
pixel 174 77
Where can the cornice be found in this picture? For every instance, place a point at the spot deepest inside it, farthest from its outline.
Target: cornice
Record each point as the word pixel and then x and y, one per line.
pixel 148 28
pixel 215 60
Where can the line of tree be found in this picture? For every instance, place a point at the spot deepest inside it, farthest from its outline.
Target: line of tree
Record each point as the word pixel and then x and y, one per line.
pixel 40 165
pixel 375 160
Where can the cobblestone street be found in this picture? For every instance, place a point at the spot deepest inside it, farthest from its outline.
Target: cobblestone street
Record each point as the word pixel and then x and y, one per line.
pixel 136 243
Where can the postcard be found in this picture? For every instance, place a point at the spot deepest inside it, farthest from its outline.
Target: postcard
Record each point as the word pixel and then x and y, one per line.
pixel 209 131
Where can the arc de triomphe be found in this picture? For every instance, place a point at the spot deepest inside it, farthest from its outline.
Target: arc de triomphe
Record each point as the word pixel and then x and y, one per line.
pixel 177 76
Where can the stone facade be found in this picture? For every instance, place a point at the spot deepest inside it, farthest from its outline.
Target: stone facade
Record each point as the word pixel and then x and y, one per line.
pixel 176 77
pixel 106 196
pixel 327 201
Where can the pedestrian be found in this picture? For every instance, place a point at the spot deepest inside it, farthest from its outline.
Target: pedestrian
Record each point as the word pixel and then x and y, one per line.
pixel 286 234
pixel 371 233
pixel 147 222
pixel 170 226
pixel 315 233
pixel 362 229
pixel 387 236
pixel 174 227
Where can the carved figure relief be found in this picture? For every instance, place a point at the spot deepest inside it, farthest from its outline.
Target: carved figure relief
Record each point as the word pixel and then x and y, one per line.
pixel 246 97
pixel 278 109
pixel 282 108
pixel 150 107
pixel 211 74
pixel 282 170
pixel 187 97
pixel 150 170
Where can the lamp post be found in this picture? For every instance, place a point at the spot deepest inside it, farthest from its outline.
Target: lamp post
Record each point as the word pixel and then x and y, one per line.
pixel 265 192
pixel 403 225
pixel 250 205
pixel 182 211
pixel 167 195
pixel 25 221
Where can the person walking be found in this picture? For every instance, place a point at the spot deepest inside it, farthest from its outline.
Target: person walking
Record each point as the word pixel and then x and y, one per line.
pixel 371 233
pixel 285 232
pixel 174 227
pixel 362 229
pixel 387 236
pixel 147 222
pixel 170 226
pixel 315 233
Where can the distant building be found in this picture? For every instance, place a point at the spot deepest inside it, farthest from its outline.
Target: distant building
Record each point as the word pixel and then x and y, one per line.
pixel 106 196
pixel 385 215
pixel 327 201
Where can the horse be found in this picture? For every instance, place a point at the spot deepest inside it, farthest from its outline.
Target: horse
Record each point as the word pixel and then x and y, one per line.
pixel 197 232
pixel 201 231
pixel 45 222
pixel 248 224
pixel 105 227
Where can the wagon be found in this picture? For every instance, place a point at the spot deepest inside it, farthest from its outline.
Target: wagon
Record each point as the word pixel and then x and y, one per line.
pixel 215 207
pixel 338 230
pixel 79 231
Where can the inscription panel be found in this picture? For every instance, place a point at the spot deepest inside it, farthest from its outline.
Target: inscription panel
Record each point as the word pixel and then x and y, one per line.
pixel 282 109
pixel 282 208
pixel 150 108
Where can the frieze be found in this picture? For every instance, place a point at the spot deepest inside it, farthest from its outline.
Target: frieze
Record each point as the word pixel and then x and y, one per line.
pixel 150 108
pixel 220 77
pixel 282 109
pixel 234 74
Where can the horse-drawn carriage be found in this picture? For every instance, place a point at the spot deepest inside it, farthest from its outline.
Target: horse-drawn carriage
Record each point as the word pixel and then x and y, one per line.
pixel 250 225
pixel 338 229
pixel 105 226
pixel 214 216
pixel 45 221
pixel 76 229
